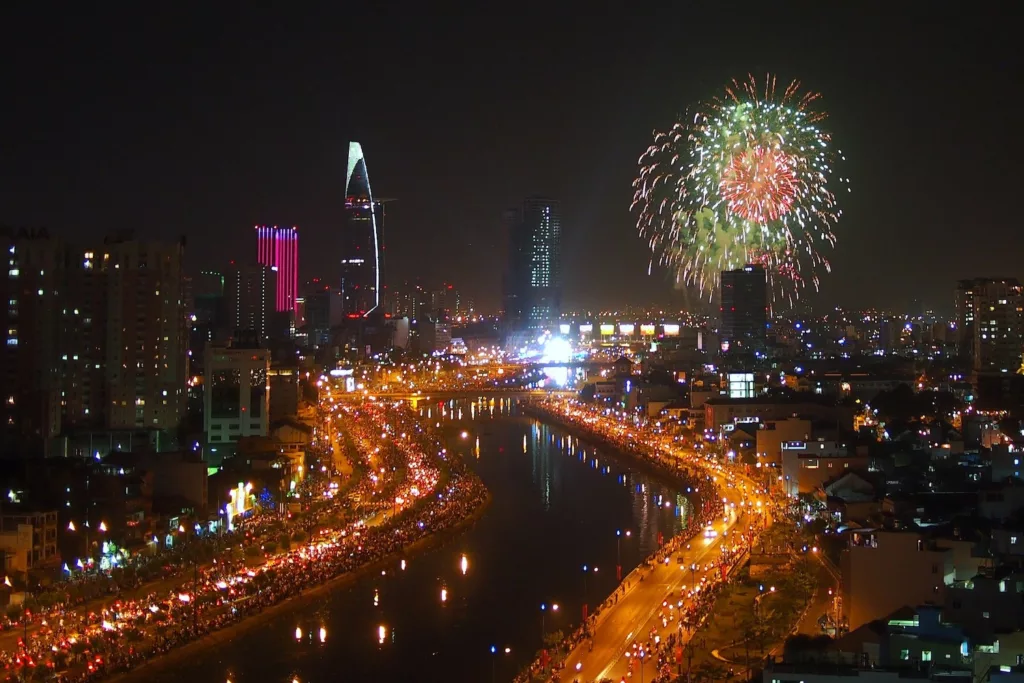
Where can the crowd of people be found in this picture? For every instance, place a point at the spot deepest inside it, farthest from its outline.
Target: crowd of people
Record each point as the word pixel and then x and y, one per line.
pixel 412 490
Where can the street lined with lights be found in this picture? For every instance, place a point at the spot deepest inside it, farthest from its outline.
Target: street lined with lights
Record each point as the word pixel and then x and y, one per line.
pixel 412 489
pixel 640 630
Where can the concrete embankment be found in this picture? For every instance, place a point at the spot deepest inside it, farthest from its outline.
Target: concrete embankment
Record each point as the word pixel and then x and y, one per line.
pixel 226 635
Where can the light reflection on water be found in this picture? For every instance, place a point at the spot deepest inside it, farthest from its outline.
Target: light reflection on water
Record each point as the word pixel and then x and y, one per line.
pixel 556 505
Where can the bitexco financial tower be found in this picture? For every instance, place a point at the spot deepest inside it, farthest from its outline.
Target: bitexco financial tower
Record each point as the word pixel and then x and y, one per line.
pixel 362 241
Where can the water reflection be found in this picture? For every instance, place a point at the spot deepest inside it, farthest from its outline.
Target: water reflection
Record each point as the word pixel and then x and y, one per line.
pixel 557 505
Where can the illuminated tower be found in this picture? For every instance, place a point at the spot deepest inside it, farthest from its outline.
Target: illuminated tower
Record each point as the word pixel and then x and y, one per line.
pixel 533 277
pixel 278 248
pixel 362 240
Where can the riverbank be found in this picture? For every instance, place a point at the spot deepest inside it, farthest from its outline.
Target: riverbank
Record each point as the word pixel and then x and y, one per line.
pixel 681 477
pixel 418 547
pixel 702 494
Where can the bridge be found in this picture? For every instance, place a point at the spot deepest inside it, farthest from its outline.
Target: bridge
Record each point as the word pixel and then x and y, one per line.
pixel 453 394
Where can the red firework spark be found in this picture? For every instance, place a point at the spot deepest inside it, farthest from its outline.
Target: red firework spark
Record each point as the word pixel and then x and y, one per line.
pixel 760 184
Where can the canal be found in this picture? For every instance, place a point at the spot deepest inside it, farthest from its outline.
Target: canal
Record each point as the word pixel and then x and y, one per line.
pixel 557 504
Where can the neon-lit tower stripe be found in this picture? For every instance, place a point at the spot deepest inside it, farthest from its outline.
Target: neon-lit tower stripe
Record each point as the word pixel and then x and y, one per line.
pixel 278 247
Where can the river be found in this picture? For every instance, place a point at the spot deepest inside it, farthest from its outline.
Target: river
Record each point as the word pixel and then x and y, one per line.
pixel 557 504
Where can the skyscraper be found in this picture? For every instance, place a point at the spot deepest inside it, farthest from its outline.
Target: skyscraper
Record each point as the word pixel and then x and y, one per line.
pixel 533 278
pixel 362 240
pixel 744 309
pixel 278 248
pixel 990 326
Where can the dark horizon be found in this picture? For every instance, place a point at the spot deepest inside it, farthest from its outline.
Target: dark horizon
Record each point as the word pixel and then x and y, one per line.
pixel 204 124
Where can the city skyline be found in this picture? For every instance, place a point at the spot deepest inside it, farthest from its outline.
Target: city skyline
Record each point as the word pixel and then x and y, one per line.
pixel 581 146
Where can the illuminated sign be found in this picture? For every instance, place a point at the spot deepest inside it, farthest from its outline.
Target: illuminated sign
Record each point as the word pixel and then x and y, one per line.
pixel 748 420
pixel 564 328
pixel 741 385
pixel 794 446
pixel 647 330
pixel 607 330
pixel 626 329
pixel 587 329
pixel 350 384
pixel 239 503
pixel 671 330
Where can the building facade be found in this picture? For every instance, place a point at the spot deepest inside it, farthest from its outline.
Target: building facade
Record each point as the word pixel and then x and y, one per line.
pixel 533 278
pixel 989 324
pixel 883 571
pixel 362 240
pixel 236 396
pixel 96 336
pixel 250 297
pixel 744 309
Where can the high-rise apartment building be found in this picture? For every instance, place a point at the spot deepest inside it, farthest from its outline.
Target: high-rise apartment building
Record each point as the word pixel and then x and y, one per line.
pixel 533 278
pixel 278 248
pixel 362 240
pixel 744 309
pixel 250 297
pixel 990 325
pixel 96 336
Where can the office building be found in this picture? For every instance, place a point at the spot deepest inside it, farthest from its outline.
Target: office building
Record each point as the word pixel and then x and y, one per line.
pixel 362 240
pixel 250 296
pixel 322 311
pixel 533 277
pixel 744 309
pixel 989 323
pixel 96 337
pixel 278 248
pixel 236 398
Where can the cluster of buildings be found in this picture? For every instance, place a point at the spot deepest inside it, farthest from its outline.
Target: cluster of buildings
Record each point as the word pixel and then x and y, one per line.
pixel 141 403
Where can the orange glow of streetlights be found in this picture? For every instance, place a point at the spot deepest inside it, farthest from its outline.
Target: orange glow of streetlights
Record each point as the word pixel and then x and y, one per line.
pixel 464 564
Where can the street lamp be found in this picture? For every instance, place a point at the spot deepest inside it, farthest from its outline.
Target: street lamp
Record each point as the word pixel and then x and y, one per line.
pixel 618 552
pixel 494 658
pixel 543 615
pixel 586 570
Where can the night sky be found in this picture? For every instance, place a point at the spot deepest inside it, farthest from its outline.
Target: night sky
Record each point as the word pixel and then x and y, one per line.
pixel 205 120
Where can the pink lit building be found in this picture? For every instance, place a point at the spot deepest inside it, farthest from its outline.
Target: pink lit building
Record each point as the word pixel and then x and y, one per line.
pixel 278 248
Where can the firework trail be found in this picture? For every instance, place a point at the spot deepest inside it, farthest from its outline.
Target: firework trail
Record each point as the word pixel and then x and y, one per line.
pixel 745 179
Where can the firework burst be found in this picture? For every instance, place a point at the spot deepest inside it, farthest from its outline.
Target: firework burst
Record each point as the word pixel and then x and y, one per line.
pixel 745 180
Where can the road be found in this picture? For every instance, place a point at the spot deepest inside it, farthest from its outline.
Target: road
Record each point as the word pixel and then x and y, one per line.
pixel 639 611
